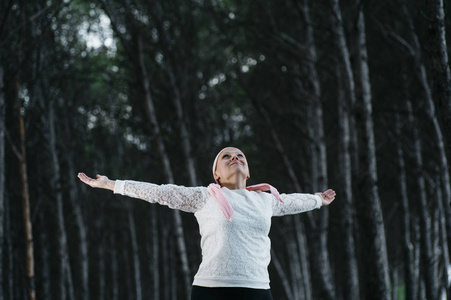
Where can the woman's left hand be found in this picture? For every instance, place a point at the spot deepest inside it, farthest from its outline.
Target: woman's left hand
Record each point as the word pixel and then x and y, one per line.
pixel 327 197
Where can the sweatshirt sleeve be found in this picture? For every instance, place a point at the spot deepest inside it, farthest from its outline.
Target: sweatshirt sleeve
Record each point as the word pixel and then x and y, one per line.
pixel 295 203
pixel 188 199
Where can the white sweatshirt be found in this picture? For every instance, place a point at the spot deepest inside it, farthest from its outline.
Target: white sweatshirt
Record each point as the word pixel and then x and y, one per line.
pixel 234 253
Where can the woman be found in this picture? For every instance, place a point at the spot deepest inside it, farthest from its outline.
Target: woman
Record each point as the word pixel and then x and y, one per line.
pixel 234 223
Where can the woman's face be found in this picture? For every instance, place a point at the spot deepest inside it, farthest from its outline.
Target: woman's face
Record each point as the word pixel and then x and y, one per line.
pixel 231 162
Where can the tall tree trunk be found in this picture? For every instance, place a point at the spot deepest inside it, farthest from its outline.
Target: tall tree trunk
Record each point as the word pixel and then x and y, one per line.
pixel 155 254
pixel 425 217
pixel 101 269
pixel 303 254
pixel 378 285
pixel 9 284
pixel 22 156
pixel 183 130
pixel 407 245
pixel 319 262
pixel 2 177
pixel 64 274
pixel 431 114
pixel 166 261
pixel 45 274
pixel 282 275
pixel 440 66
pixel 443 273
pixel 350 278
pixel 114 269
pixel 135 254
pixel 442 78
pixel 167 170
pixel 339 36
pixel 82 259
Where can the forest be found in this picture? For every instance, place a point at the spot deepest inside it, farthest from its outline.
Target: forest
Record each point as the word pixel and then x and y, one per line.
pixel 351 95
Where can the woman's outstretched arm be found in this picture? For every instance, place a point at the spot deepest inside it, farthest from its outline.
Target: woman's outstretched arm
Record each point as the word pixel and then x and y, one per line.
pixel 101 181
pixel 189 199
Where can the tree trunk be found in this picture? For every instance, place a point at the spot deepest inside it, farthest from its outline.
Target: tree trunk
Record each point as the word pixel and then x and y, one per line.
pixel 282 275
pixel 155 254
pixel 349 82
pixel 80 226
pixel 407 248
pixel 319 262
pixel 350 272
pixel 166 261
pixel 64 274
pixel 2 177
pixel 114 270
pixel 135 254
pixel 167 170
pixel 375 249
pixel 303 254
pixel 22 156
pixel 425 217
pixel 9 284
pixel 440 67
pixel 45 274
pixel 443 241
pixel 431 114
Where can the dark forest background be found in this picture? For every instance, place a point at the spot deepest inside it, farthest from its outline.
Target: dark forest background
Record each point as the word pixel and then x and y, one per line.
pixel 351 95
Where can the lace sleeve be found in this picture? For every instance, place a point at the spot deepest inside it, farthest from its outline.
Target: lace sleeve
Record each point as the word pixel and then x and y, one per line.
pixel 295 203
pixel 188 199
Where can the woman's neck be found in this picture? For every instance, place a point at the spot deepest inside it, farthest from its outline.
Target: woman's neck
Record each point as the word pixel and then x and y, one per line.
pixel 234 183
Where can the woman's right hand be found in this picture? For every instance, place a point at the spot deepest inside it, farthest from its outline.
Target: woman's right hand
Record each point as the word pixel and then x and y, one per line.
pixel 101 181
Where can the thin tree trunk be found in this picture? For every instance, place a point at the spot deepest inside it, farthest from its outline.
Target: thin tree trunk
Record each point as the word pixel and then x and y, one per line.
pixel 440 66
pixel 128 291
pixel 2 177
pixel 294 268
pixel 407 246
pixel 375 249
pixel 22 156
pixel 282 275
pixel 443 239
pixel 421 74
pixel 172 272
pixel 114 270
pixel 64 264
pixel 351 280
pixel 425 217
pixel 320 262
pixel 349 82
pixel 166 262
pixel 135 255
pixel 101 270
pixel 303 254
pixel 80 226
pixel 167 171
pixel 45 261
pixel 155 254
pixel 415 227
pixel 9 250
pixel 184 136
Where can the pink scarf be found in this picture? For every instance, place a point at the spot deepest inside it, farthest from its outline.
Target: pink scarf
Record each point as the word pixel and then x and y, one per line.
pixel 217 193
